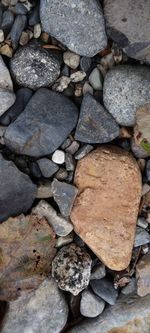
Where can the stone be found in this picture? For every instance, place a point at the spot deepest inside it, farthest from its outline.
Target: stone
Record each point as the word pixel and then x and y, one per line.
pixel 61 174
pixel 46 122
pixel 7 99
pixel 106 176
pixel 77 76
pixel 71 59
pixel 58 157
pixel 131 287
pixel 73 148
pixel 87 89
pixel 98 272
pixel 83 151
pixel 2 37
pixel 7 21
pixel 138 151
pixel 126 88
pixel 62 241
pixel 96 79
pixel 6 50
pixel 17 190
pixel 85 63
pixel 148 170
pixel 141 222
pixel 80 26
pixel 47 167
pixel 64 194
pixel 128 315
pixel 5 78
pixel 128 25
pixel 17 28
pixel 43 311
pixel 21 9
pixel 66 143
pixel 61 84
pixel 95 124
pixel 141 237
pixel 143 275
pixel 34 17
pixel 60 225
pixel 91 306
pixel 44 191
pixel 33 66
pixel 71 268
pixel 24 38
pixel 105 289
pixel 69 162
pixel 37 30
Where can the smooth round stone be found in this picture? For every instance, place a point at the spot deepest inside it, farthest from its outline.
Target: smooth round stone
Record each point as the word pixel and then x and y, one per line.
pixel 126 88
pixel 34 67
pixel 71 59
pixel 91 305
pixel 96 79
pixel 58 157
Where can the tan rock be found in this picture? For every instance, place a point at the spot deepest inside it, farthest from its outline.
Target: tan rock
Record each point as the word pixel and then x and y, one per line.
pixel 143 275
pixel 105 210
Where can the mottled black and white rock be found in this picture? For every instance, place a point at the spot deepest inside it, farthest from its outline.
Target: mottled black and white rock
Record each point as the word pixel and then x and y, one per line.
pixel 64 194
pixel 95 124
pixel 80 25
pixel 44 124
pixel 44 311
pixel 91 305
pixel 47 167
pixel 17 190
pixel 34 67
pixel 105 289
pixel 129 25
pixel 125 89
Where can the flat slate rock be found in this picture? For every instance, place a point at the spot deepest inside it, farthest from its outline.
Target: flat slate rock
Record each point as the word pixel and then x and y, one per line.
pixel 105 289
pixel 44 124
pixel 129 25
pixel 80 24
pixel 96 124
pixel 126 88
pixel 17 190
pixel 47 167
pixel 64 194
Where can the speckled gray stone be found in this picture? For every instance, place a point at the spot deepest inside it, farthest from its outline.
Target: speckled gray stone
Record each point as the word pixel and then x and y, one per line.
pixel 80 24
pixel 43 311
pixel 91 305
pixel 71 268
pixel 129 25
pixel 34 67
pixel 126 88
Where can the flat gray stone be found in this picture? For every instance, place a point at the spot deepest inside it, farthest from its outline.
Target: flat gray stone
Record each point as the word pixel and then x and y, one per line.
pixel 47 167
pixel 98 272
pixel 95 124
pixel 17 190
pixel 47 120
pixel 7 99
pixel 80 24
pixel 141 237
pixel 126 88
pixel 91 305
pixel 105 289
pixel 129 25
pixel 44 311
pixel 130 288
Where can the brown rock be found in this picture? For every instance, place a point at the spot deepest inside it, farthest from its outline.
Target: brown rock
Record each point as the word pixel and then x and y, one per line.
pixel 143 275
pixel 105 210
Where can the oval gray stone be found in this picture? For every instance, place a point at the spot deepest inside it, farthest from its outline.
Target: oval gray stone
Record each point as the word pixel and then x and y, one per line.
pixel 91 305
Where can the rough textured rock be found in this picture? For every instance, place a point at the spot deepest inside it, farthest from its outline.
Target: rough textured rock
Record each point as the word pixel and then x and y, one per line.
pixel 125 89
pixel 95 124
pixel 143 275
pixel 64 194
pixel 91 306
pixel 80 25
pixel 44 311
pixel 34 67
pixel 43 126
pixel 128 315
pixel 106 176
pixel 17 190
pixel 105 289
pixel 71 268
pixel 129 26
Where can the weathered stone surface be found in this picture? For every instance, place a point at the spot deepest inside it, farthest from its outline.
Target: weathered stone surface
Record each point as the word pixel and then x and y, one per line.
pixel 64 194
pixel 17 190
pixel 143 275
pixel 91 306
pixel 105 289
pixel 128 315
pixel 71 268
pixel 105 210
pixel 80 25
pixel 43 311
pixel 95 125
pixel 44 124
pixel 5 78
pixel 129 26
pixel 126 88
pixel 7 99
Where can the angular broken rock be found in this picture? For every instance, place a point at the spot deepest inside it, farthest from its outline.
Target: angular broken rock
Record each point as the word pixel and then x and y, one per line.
pixel 44 311
pixel 64 194
pixel 143 275
pixel 105 211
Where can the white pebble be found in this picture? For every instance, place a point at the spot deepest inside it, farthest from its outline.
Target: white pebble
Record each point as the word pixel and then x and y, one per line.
pixel 77 76
pixel 58 156
pixel 37 30
pixel 1 35
pixel 71 59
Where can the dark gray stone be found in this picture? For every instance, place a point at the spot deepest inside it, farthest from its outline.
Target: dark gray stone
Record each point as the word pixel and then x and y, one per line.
pixel 34 17
pixel 64 194
pixel 17 190
pixel 148 170
pixel 18 26
pixel 7 21
pixel 47 167
pixel 20 9
pixel 105 289
pixel 47 120
pixel 7 99
pixel 34 67
pixel 69 162
pixel 85 63
pixel 95 124
pixel 80 25
pixel 35 170
pixel 98 272
pixel 83 151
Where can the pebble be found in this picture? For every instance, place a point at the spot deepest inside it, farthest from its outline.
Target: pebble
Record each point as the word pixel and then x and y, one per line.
pixel 141 237
pixel 91 306
pixel 106 226
pixel 87 89
pixel 7 21
pixel 131 287
pixel 77 76
pixel 75 18
pixel 73 147
pixel 141 222
pixel 106 63
pixel 105 289
pixel 6 50
pixel 96 79
pixel 24 38
pixel 95 124
pixel 5 78
pixel 47 167
pixel 58 156
pixel 148 170
pixel 98 272
pixel 71 268
pixel 20 9
pixel 34 67
pixel 1 36
pixel 85 64
pixel 143 275
pixel 145 188
pixel 138 151
pixel 17 28
pixel 62 241
pixel 64 194
pixel 44 311
pixel 66 143
pixel 44 190
pixel 37 30
pixel 71 59
pixel 69 162
pixel 61 174
pixel 34 17
pixel 83 151
pixel 35 170
pixel 17 190
pixel 54 118
pixel 61 84
pixel 132 85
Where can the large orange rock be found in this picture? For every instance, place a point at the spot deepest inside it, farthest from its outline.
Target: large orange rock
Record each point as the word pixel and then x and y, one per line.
pixel 105 210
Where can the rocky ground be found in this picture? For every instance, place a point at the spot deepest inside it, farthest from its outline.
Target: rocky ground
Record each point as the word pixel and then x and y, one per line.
pixel 74 166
